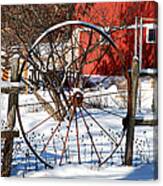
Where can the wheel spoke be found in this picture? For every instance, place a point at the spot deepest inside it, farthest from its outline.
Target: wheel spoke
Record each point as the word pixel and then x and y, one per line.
pixel 41 122
pixel 53 133
pixel 109 112
pixel 98 60
pixel 112 139
pixel 101 94
pixel 77 138
pixel 90 136
pixel 51 136
pixel 77 79
pixel 118 144
pixel 67 136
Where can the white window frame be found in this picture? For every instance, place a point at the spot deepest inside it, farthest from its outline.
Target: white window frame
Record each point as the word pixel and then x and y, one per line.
pixel 147 35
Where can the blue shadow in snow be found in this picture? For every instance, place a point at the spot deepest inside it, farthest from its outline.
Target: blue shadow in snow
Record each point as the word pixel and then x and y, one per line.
pixel 144 172
pixel 50 155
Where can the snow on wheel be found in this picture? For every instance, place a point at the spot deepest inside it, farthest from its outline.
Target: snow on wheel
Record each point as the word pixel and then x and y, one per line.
pixel 59 121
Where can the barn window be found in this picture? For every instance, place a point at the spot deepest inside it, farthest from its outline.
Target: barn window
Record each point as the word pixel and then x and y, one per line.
pixel 151 35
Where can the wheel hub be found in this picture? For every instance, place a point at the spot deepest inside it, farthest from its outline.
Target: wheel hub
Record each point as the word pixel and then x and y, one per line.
pixel 77 99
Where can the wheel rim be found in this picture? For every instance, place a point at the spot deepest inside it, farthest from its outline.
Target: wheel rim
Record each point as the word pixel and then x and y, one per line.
pixel 69 88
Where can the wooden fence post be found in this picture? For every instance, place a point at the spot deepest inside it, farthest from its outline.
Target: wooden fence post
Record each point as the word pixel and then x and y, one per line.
pixel 11 119
pixel 130 121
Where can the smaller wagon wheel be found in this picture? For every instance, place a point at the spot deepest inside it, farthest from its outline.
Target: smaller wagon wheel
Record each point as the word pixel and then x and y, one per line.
pixel 59 123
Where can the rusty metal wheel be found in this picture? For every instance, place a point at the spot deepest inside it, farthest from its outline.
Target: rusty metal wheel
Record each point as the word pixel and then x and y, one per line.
pixel 57 118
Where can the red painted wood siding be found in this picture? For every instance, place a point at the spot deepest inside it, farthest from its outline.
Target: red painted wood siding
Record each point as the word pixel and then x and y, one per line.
pixel 119 14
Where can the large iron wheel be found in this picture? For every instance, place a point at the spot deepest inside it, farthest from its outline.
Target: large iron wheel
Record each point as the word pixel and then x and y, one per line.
pixel 67 128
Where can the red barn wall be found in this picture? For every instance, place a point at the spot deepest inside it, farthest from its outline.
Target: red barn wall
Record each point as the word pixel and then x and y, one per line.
pixel 119 14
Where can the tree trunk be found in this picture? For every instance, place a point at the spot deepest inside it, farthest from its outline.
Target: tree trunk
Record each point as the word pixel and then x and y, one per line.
pixel 48 108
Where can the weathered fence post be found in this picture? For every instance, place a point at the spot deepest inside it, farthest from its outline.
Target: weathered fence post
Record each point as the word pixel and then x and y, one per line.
pixel 11 119
pixel 130 121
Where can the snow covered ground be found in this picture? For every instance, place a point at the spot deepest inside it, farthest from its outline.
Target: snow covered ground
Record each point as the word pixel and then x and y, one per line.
pixel 142 172
pixel 25 164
